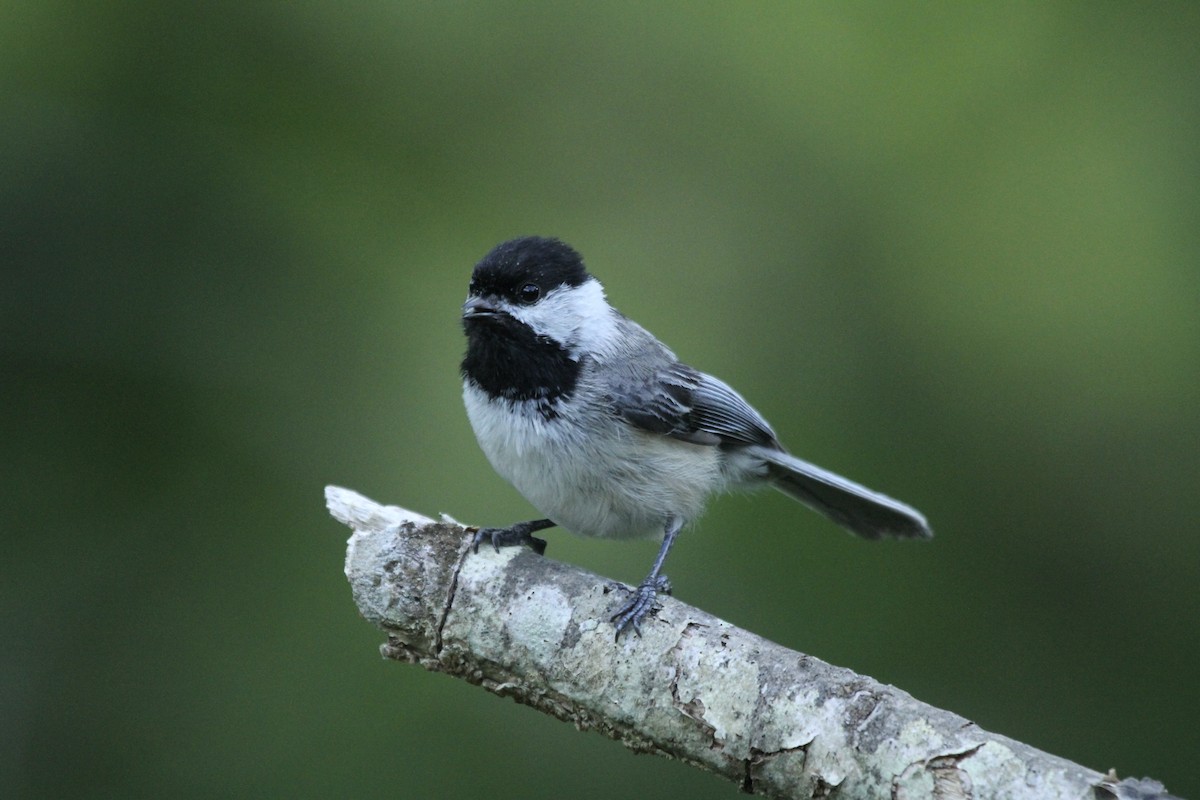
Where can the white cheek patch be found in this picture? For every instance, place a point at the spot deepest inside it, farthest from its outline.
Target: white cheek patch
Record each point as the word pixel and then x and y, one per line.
pixel 578 317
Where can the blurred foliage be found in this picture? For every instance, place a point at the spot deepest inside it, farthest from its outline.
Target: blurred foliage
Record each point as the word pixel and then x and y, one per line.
pixel 950 250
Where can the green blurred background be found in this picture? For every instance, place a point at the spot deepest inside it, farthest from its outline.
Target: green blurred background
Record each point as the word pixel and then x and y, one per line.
pixel 950 250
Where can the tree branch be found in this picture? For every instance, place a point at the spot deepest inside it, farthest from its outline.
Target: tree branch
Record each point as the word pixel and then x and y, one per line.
pixel 692 687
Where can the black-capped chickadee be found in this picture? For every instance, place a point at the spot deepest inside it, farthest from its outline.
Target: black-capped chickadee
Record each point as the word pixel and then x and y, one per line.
pixel 605 432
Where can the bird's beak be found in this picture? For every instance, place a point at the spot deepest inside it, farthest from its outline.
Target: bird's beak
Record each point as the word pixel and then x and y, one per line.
pixel 478 307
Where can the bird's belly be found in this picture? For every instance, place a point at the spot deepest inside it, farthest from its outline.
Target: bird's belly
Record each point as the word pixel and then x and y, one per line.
pixel 603 479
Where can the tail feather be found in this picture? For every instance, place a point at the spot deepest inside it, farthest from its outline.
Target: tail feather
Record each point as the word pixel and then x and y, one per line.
pixel 856 508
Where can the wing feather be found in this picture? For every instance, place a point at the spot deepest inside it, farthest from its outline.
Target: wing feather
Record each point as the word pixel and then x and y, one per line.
pixel 687 404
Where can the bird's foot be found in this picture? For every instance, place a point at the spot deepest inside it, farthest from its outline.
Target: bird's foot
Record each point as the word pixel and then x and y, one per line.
pixel 642 603
pixel 511 536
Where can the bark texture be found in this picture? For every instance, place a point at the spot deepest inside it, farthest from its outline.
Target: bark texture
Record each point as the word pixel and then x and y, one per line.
pixel 692 687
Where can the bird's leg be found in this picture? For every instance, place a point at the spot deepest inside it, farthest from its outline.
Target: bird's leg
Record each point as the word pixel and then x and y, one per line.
pixel 517 534
pixel 631 615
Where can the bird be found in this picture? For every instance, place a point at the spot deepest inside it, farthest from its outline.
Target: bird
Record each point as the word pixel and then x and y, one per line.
pixel 606 433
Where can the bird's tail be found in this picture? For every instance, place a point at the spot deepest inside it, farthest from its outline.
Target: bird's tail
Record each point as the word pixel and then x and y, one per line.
pixel 856 508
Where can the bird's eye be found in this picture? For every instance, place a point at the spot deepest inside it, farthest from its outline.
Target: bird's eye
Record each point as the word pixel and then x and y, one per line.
pixel 529 293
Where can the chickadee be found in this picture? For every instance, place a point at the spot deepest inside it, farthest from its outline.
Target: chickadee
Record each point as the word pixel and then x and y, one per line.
pixel 606 433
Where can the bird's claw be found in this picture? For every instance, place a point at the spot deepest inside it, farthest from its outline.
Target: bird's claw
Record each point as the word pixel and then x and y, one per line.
pixel 508 537
pixel 641 604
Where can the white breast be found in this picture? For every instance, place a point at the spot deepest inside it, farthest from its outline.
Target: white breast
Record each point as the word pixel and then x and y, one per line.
pixel 590 472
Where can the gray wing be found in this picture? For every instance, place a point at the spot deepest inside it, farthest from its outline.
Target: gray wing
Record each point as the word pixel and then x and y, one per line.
pixel 687 404
pixel 682 403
